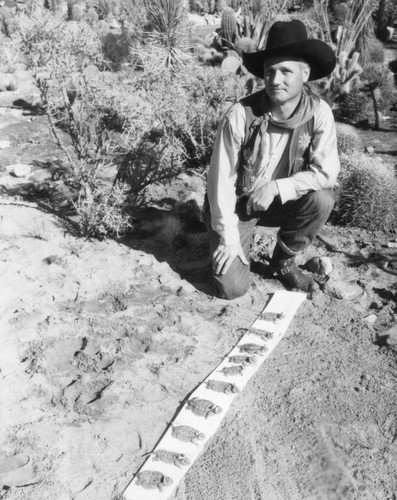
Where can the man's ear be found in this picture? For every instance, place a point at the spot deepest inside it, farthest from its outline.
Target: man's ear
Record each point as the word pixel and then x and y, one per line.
pixel 305 72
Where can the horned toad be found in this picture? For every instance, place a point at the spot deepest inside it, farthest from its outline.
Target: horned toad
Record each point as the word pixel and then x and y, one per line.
pixel 187 434
pixel 219 386
pixel 152 479
pixel 170 457
pixel 252 348
pixel 263 334
pixel 232 370
pixel 202 407
pixel 271 316
pixel 241 359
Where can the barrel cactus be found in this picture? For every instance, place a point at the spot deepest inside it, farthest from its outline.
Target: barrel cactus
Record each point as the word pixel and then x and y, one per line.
pixel 347 138
pixel 367 193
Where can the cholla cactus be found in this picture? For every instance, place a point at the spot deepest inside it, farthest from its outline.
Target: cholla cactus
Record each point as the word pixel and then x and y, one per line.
pixel 344 78
pixel 347 71
pixel 347 138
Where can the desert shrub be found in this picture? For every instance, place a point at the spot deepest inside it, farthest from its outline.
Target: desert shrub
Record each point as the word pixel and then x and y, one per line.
pixel 211 93
pixel 347 138
pixel 376 51
pixel 103 214
pixel 368 193
pixel 116 47
pixel 353 107
pixel 152 160
pixel 61 56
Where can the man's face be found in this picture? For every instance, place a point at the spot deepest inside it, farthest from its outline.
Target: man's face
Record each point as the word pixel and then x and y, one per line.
pixel 284 79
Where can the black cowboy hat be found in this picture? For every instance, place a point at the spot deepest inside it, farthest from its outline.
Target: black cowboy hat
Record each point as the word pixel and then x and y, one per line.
pixel 289 39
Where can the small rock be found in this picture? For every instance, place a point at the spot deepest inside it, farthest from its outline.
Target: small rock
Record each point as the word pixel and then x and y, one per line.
pixel 320 265
pixel 145 260
pixel 12 84
pixel 20 169
pixel 371 319
pixel 369 149
pixel 153 392
pixel 391 335
pixel 16 470
pixel 343 290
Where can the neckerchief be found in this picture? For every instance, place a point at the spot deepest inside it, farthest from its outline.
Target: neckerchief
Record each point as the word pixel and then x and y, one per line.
pixel 304 112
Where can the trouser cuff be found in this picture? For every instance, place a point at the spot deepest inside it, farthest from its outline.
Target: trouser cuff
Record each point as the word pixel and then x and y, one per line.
pixel 285 249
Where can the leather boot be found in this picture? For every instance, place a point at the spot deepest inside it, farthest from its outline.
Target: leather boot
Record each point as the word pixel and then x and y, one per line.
pixel 287 271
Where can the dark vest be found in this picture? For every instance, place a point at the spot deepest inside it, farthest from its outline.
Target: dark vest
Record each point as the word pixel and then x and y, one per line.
pixel 298 145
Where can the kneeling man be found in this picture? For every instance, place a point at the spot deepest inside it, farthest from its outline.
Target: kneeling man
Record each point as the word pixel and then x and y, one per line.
pixel 274 162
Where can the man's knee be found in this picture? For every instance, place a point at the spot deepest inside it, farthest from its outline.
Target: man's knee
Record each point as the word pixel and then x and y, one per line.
pixel 322 202
pixel 230 287
pixel 323 199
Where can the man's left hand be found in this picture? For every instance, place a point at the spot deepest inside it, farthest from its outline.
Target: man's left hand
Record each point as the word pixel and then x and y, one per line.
pixel 261 199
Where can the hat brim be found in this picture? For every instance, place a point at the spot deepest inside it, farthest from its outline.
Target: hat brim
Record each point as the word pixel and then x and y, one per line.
pixel 317 54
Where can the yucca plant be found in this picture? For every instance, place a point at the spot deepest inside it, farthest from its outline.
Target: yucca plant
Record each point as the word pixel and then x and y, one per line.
pixel 167 22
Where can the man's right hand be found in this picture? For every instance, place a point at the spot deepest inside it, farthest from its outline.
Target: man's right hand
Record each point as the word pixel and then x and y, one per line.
pixel 224 255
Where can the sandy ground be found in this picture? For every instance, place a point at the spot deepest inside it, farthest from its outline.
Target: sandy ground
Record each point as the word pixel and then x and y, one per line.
pixel 101 341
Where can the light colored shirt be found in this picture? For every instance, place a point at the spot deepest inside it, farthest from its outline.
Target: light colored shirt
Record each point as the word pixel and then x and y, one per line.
pixel 321 173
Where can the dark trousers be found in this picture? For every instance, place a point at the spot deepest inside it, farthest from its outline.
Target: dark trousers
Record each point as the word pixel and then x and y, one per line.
pixel 299 221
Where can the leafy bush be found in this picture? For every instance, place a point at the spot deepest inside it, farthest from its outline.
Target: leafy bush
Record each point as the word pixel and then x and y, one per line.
pixel 368 193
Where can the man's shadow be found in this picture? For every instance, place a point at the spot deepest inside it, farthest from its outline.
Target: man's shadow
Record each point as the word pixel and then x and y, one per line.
pixel 174 232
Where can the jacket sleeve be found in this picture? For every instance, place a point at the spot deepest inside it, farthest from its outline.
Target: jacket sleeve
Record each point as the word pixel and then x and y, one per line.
pixel 222 175
pixel 324 164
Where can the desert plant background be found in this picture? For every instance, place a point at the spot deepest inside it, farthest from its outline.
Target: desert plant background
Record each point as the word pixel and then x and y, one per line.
pixel 138 88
